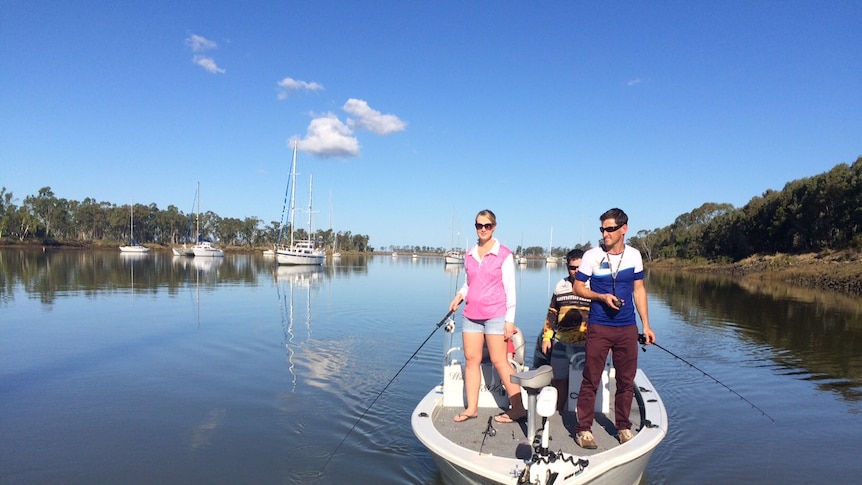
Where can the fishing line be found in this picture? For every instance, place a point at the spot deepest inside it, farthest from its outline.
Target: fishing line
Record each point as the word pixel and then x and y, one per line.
pixel 642 341
pixel 384 390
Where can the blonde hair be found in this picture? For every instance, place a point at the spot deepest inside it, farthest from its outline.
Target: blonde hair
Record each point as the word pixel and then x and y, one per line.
pixel 487 213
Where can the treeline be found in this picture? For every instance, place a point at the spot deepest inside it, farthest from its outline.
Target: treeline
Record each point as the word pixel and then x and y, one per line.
pixel 815 214
pixel 530 252
pixel 46 218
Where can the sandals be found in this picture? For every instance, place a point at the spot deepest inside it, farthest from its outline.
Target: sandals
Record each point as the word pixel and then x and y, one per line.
pixel 506 419
pixel 464 417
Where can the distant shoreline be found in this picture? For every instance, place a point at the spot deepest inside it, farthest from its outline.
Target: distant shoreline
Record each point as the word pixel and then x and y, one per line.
pixel 840 272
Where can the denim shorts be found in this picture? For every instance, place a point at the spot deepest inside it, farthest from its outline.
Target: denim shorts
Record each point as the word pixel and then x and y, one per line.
pixel 491 326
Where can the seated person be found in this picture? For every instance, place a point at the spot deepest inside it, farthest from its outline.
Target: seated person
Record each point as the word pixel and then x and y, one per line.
pixel 565 330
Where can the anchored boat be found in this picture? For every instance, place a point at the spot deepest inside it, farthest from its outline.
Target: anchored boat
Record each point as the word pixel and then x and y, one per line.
pixel 540 449
pixel 298 252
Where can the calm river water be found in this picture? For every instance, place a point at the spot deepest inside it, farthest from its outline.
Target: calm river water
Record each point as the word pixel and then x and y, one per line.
pixel 156 369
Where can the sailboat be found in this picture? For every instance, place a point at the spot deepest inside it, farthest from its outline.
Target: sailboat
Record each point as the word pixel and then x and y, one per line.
pixel 299 252
pixel 204 248
pixel 133 247
pixel 335 253
pixel 520 258
pixel 551 259
pixel 454 256
pixel 185 250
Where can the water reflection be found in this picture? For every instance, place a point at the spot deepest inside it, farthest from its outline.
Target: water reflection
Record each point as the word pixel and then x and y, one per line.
pixel 291 279
pixel 54 274
pixel 814 334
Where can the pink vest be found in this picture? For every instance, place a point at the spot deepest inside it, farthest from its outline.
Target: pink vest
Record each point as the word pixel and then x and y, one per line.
pixel 486 297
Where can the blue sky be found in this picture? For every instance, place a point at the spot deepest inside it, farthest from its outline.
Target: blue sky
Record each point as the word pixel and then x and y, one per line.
pixel 548 113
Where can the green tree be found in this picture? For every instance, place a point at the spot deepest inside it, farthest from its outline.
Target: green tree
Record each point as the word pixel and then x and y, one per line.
pixel 42 208
pixel 7 209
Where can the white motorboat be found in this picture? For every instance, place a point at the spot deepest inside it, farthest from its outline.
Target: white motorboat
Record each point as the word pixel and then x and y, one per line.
pixel 454 257
pixel 183 251
pixel 541 449
pixel 300 253
pixel 134 248
pixel 205 249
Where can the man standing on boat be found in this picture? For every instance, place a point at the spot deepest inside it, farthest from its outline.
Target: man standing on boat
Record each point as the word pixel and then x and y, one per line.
pixel 616 289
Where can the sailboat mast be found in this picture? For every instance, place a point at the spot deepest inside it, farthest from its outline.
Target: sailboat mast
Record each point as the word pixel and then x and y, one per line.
pixel 452 230
pixel 310 183
pixel 330 222
pixel 292 193
pixel 198 216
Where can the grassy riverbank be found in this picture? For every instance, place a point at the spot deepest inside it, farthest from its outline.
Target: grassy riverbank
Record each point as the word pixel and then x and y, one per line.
pixel 838 271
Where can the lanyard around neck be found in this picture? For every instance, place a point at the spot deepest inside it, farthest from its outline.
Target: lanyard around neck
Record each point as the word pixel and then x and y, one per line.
pixel 615 273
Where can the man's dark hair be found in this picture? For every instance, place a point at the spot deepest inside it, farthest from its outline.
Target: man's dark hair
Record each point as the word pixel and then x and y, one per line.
pixel 574 254
pixel 615 214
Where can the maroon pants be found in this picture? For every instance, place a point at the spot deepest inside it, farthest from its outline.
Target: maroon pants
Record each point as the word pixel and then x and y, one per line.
pixel 623 342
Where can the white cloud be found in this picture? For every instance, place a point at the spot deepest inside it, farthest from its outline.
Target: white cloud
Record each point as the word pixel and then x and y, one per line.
pixel 370 119
pixel 199 44
pixel 290 85
pixel 209 64
pixel 327 136
pixel 634 82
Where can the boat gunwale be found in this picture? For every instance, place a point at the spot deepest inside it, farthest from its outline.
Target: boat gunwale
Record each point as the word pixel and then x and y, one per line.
pixel 503 470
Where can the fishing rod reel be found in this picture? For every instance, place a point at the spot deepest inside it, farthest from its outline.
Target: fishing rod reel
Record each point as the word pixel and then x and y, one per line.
pixel 450 325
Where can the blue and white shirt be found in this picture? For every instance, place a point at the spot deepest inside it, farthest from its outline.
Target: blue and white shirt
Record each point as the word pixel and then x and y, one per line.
pixel 615 274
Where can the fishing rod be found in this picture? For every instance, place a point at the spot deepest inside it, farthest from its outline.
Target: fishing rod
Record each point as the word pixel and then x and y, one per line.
pixel 440 324
pixel 642 341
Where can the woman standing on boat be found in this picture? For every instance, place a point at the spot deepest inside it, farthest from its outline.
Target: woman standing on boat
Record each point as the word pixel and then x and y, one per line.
pixel 489 316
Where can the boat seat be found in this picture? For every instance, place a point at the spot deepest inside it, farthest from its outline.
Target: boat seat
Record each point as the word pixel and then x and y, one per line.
pixel 533 381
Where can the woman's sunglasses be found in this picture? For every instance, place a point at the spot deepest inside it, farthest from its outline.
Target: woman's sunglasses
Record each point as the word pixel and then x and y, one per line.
pixel 487 227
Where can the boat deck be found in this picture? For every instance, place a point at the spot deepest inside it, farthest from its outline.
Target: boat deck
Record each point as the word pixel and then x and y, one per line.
pixel 510 439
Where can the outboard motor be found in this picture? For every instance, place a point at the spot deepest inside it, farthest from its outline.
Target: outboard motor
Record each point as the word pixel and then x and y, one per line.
pixel 546 406
pixel 545 466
